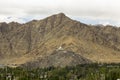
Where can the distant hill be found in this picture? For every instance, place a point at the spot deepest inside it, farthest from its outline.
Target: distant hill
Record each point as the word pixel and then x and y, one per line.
pixel 24 43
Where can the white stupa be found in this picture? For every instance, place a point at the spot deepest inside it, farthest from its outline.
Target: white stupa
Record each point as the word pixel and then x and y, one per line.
pixel 60 48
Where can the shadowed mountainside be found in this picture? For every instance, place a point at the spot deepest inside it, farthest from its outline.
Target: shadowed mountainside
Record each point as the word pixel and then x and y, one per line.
pixel 59 58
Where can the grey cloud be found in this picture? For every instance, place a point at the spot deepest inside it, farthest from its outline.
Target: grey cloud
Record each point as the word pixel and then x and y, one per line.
pixel 38 11
pixel 93 9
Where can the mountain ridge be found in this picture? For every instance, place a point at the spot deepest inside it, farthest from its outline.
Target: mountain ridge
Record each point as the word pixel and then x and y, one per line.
pixel 21 43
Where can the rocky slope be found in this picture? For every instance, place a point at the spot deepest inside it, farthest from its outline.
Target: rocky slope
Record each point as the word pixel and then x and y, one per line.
pixel 21 43
pixel 59 58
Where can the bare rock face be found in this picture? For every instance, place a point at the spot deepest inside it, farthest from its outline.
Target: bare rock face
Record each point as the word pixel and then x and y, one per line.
pixel 39 38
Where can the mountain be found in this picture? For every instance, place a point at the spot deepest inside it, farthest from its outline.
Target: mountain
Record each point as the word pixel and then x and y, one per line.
pixel 24 43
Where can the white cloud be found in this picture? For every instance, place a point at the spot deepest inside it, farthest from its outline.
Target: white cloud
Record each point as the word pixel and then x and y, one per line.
pixel 92 9
pixel 104 23
pixel 10 19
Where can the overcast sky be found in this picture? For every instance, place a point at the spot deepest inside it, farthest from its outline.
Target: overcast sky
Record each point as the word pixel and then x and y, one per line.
pixel 87 11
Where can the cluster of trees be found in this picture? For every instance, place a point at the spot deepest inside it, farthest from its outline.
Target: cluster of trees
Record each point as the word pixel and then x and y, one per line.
pixel 80 72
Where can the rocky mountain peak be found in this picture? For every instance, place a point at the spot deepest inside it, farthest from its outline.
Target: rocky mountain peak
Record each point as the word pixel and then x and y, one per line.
pixel 61 14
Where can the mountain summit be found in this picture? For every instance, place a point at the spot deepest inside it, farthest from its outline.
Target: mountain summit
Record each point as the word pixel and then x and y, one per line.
pixel 23 43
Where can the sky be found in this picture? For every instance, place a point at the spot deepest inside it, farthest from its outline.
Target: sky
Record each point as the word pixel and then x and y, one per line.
pixel 87 11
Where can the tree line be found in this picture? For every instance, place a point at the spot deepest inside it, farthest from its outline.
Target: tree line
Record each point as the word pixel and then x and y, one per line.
pixel 93 71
